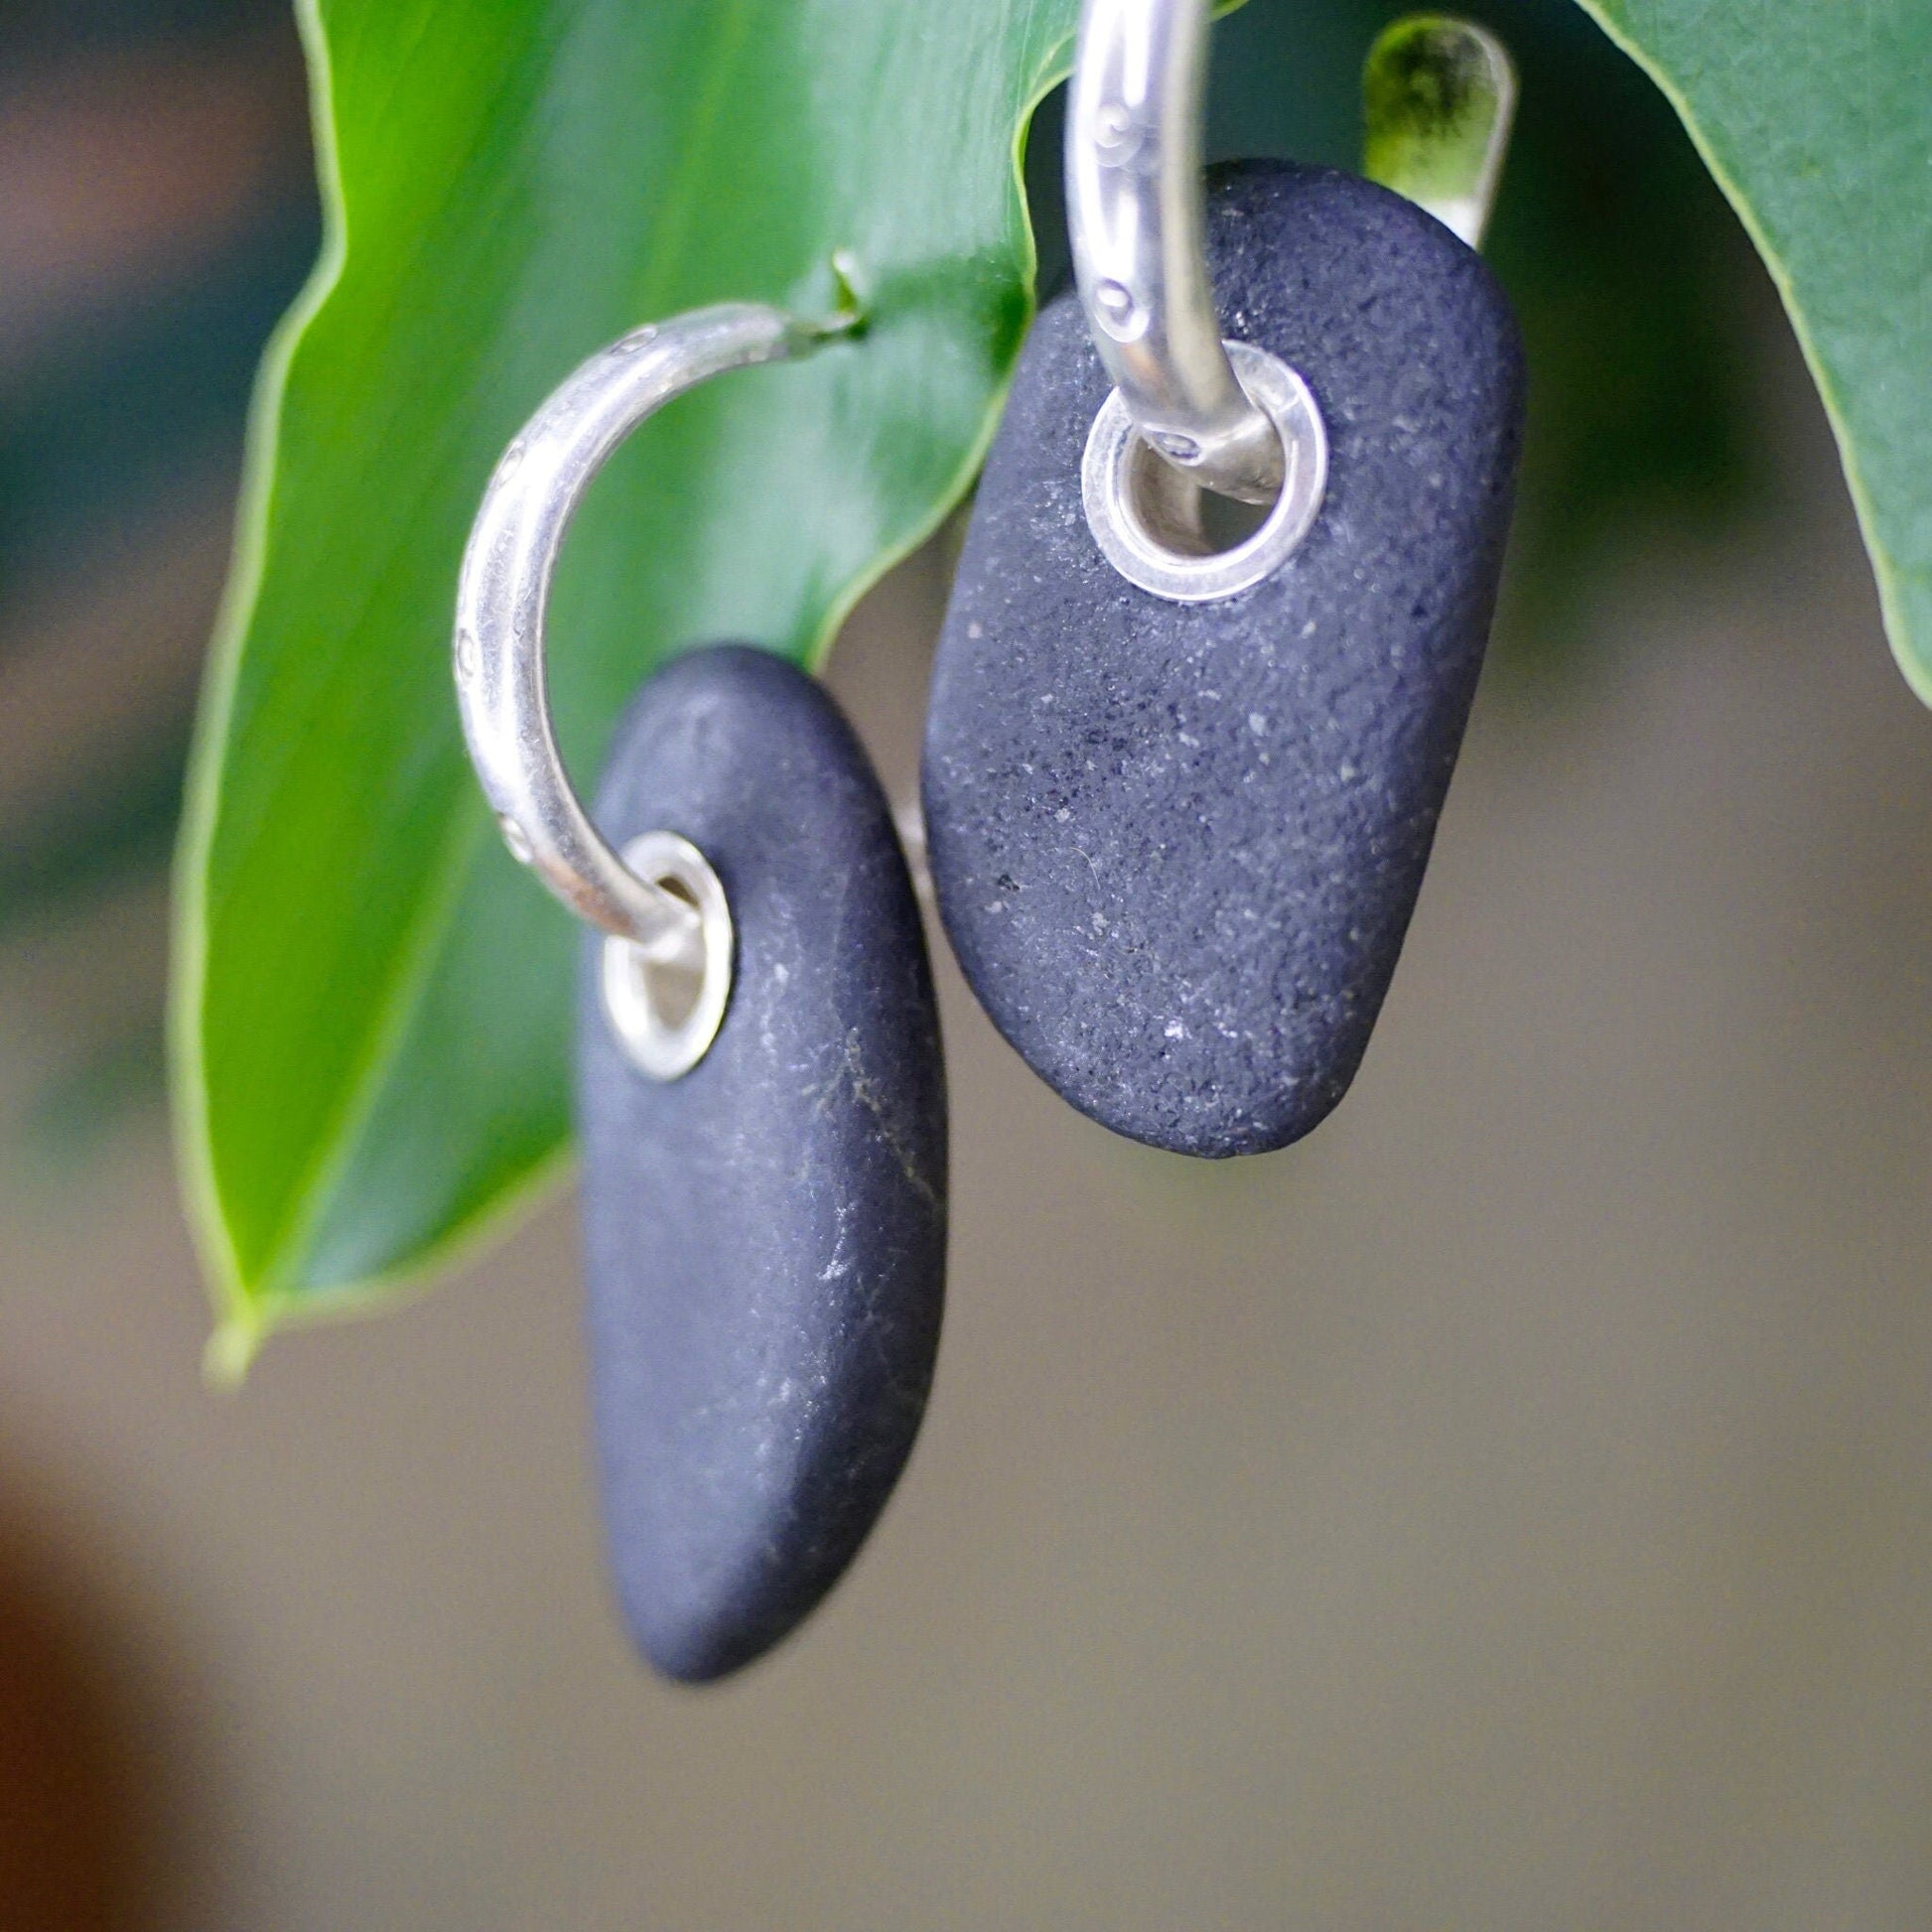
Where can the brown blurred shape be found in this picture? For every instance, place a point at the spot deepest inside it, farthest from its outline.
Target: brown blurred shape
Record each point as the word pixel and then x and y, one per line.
pixel 123 171
pixel 120 169
pixel 72 1831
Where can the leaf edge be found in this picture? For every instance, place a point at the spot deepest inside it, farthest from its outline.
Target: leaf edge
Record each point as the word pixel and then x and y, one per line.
pixel 1914 666
pixel 249 1310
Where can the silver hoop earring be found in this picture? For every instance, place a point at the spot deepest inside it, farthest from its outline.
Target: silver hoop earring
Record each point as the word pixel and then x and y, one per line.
pixel 760 1095
pixel 671 915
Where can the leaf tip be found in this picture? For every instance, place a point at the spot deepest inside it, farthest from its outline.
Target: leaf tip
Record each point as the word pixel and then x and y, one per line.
pixel 232 1350
pixel 850 303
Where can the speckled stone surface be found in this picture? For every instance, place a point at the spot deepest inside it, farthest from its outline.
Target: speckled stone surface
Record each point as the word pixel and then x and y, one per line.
pixel 1175 845
pixel 765 1238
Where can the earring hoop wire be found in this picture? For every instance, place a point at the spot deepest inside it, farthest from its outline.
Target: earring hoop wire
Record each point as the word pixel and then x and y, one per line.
pixel 1133 152
pixel 679 920
pixel 503 592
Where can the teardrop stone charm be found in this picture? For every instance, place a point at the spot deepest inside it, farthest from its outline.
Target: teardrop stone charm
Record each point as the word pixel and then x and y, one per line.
pixel 1177 845
pixel 765 1236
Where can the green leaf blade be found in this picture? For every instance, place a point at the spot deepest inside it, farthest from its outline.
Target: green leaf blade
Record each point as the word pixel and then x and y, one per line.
pixel 371 1003
pixel 1817 121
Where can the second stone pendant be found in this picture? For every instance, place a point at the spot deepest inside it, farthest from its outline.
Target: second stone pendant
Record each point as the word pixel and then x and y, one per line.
pixel 1176 836
pixel 764 1235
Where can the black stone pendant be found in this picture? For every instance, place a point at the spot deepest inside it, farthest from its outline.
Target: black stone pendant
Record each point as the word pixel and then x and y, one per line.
pixel 1176 846
pixel 766 1237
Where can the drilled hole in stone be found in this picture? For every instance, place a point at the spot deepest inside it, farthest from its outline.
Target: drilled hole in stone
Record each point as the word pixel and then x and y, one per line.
pixel 1182 518
pixel 670 991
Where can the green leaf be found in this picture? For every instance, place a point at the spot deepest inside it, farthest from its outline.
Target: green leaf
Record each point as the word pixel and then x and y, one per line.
pixel 1438 95
pixel 371 1002
pixel 1816 118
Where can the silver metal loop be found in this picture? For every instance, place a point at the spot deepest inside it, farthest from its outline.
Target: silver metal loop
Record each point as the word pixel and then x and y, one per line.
pixel 504 588
pixel 1148 518
pixel 1134 216
pixel 665 1014
pixel 674 918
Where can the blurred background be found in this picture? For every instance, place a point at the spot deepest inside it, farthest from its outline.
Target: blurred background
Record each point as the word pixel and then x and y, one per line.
pixel 1511 1509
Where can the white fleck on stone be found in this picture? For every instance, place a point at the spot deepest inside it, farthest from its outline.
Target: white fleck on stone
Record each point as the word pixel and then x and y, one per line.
pixel 1062 814
pixel 976 628
pixel 1175 1030
pixel 1347 771
pixel 1257 723
pixel 781 971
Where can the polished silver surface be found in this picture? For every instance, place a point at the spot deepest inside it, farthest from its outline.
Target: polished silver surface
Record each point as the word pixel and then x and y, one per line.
pixel 502 599
pixel 1439 101
pixel 1133 207
pixel 503 591
pixel 665 1013
pixel 1148 519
